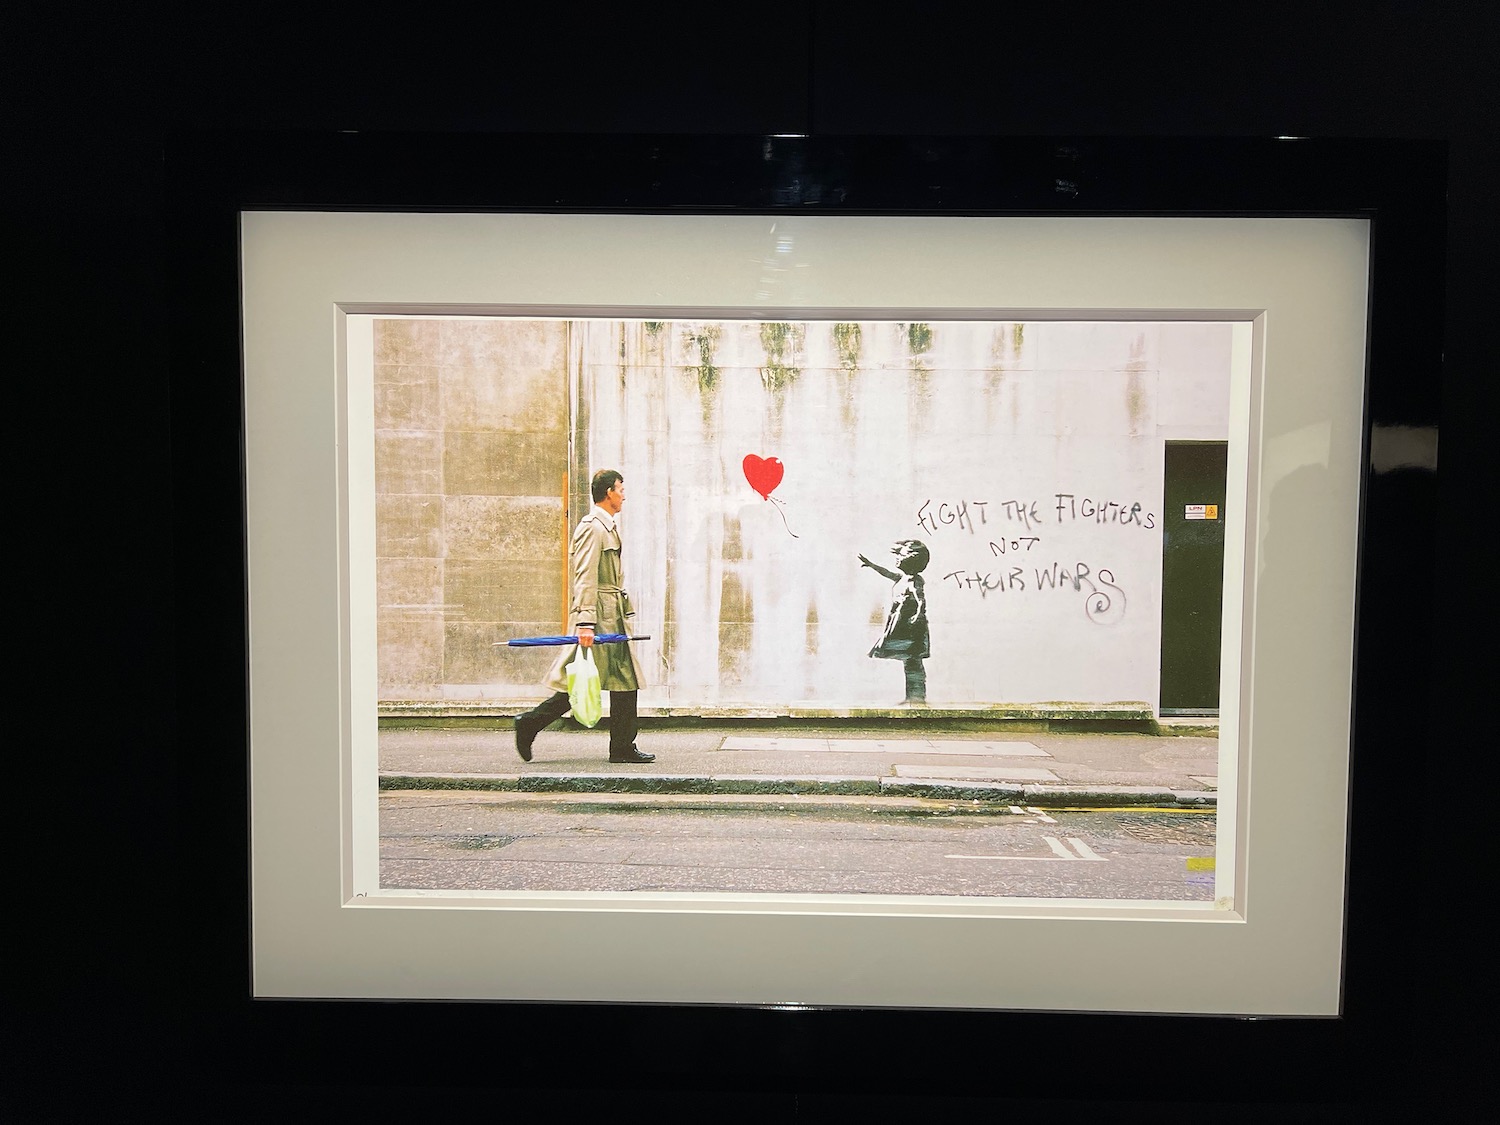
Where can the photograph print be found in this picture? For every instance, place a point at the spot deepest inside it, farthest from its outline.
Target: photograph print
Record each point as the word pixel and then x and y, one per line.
pixel 832 607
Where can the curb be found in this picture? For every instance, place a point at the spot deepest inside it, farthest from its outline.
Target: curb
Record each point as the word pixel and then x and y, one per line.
pixel 1032 718
pixel 1040 796
pixel 500 711
pixel 1013 720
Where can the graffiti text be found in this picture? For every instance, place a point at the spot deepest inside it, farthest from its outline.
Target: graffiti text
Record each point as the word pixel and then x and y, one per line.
pixel 1070 507
pixel 1104 601
pixel 1067 507
pixel 957 514
pixel 1023 543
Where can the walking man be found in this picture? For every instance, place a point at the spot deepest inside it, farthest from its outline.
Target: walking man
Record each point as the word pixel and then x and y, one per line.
pixel 599 604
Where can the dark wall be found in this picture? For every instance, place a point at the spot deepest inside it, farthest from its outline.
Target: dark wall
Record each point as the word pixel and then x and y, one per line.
pixel 96 92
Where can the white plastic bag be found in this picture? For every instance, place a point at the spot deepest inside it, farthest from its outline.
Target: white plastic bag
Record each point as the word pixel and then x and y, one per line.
pixel 583 688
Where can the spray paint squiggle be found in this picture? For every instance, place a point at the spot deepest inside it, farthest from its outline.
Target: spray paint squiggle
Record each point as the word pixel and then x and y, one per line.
pixel 1099 606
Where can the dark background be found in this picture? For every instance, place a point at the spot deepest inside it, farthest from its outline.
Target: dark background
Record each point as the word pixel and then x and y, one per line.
pixel 118 1002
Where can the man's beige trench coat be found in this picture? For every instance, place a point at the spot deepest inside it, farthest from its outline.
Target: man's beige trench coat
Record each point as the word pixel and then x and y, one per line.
pixel 599 600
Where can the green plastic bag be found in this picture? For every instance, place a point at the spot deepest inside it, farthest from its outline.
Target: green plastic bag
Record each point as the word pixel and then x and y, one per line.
pixel 583 688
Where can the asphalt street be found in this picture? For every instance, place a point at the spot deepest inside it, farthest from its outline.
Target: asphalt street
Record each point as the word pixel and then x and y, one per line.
pixel 930 808
pixel 789 844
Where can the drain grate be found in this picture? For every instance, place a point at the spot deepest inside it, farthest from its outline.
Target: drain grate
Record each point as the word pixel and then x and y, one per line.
pixel 1170 829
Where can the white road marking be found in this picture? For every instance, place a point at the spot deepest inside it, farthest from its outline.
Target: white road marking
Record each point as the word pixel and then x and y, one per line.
pixel 1084 850
pixel 1060 853
pixel 1045 819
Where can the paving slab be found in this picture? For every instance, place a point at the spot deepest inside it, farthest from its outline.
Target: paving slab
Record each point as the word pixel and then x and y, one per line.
pixel 1058 770
pixel 991 748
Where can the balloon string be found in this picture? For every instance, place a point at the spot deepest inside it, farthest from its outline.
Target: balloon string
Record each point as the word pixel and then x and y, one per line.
pixel 779 507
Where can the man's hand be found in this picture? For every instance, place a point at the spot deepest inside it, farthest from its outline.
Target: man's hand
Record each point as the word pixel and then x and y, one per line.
pixel 586 635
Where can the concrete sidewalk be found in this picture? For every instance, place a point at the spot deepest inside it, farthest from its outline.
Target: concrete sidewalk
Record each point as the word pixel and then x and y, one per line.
pixel 954 761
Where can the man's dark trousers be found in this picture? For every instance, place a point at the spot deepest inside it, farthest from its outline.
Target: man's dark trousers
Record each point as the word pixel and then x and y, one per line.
pixel 622 718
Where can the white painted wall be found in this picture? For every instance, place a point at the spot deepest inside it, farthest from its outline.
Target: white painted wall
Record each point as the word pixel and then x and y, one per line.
pixel 930 446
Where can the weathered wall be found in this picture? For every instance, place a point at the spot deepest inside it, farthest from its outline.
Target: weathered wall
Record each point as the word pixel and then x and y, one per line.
pixel 890 431
pixel 962 435
pixel 471 447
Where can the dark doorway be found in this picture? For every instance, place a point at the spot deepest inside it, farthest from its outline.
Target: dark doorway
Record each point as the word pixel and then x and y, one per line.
pixel 1192 576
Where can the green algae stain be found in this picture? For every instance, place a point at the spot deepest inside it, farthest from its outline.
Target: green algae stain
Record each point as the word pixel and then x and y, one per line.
pixel 919 343
pixel 781 342
pixel 848 339
pixel 705 342
pixel 919 338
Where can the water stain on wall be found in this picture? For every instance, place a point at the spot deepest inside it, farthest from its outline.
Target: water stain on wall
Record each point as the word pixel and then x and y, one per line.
pixel 848 342
pixel 734 652
pixel 847 339
pixel 734 547
pixel 919 339
pixel 668 643
pixel 1135 391
pixel 782 343
pixel 735 601
pixel 1005 360
pixel 702 343
pixel 994 380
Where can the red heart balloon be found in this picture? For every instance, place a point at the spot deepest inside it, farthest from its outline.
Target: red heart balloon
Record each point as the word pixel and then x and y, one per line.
pixel 764 474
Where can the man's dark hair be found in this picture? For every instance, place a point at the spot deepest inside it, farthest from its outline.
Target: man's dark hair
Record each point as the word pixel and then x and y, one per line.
pixel 604 480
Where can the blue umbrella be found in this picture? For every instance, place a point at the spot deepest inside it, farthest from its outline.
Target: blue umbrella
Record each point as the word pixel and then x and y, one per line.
pixel 599 639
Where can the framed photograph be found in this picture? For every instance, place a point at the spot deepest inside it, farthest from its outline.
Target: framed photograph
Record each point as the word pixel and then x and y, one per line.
pixel 777 687
pixel 805 376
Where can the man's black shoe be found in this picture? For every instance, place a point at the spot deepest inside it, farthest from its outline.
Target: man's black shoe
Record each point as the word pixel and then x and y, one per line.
pixel 632 755
pixel 525 736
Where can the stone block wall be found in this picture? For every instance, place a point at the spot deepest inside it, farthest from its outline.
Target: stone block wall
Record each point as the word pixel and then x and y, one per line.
pixel 471 452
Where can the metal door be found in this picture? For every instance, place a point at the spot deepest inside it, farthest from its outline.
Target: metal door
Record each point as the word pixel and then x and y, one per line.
pixel 1192 576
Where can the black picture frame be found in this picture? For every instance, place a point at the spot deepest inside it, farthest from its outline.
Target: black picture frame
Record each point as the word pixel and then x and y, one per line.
pixel 1397 185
